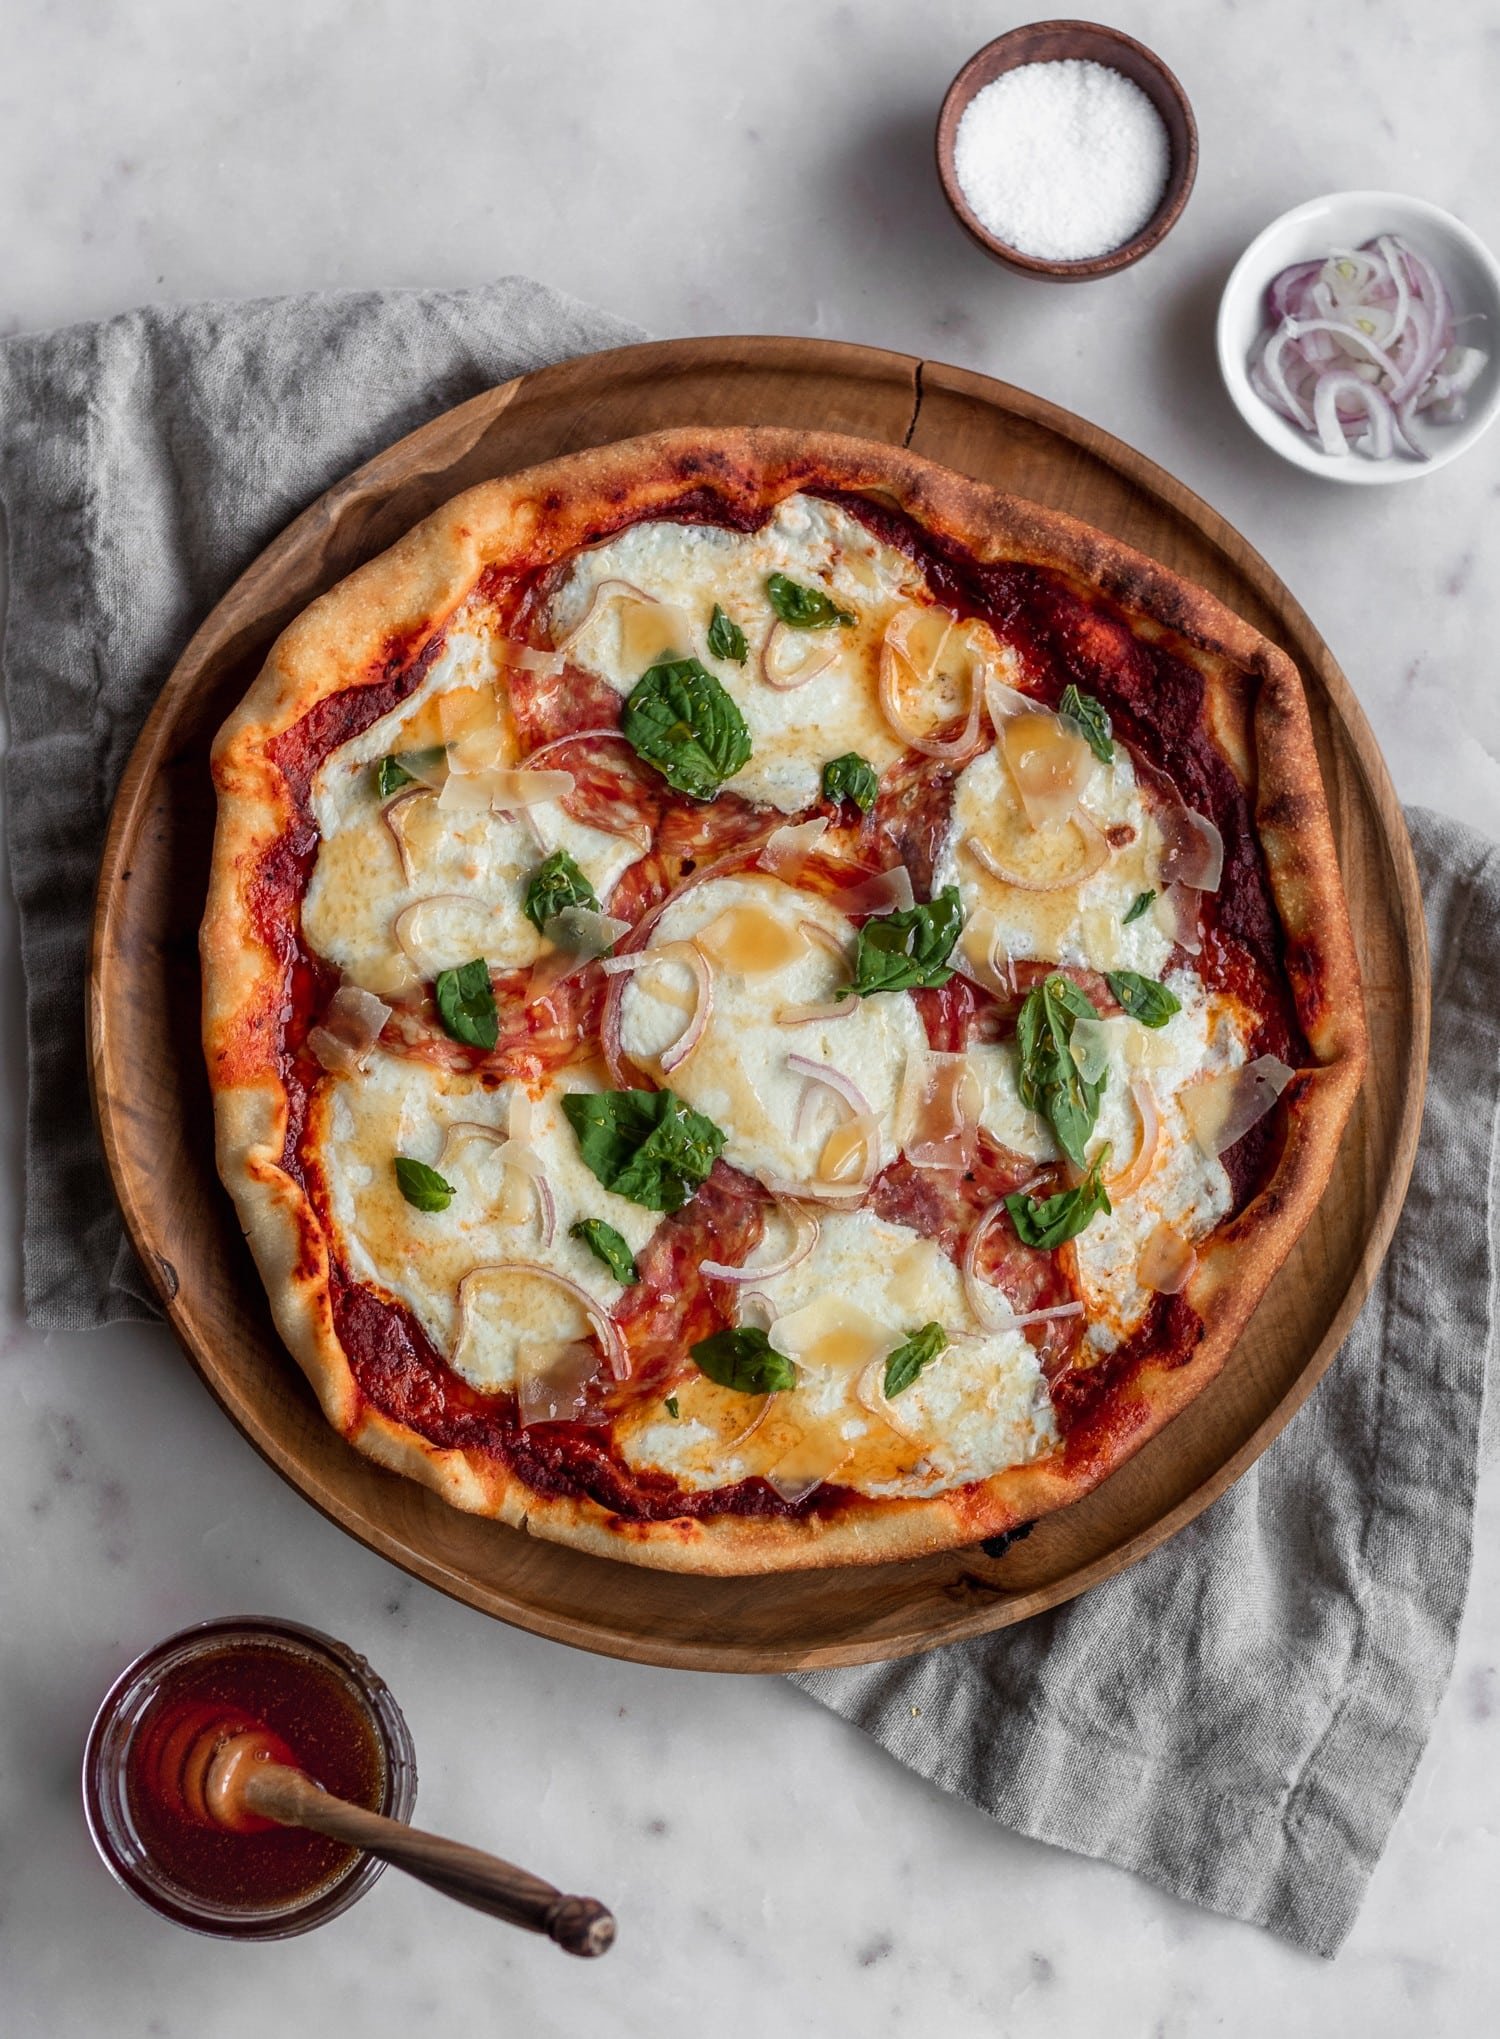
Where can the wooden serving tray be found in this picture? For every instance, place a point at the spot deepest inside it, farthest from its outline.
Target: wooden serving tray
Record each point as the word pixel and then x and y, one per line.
pixel 153 1101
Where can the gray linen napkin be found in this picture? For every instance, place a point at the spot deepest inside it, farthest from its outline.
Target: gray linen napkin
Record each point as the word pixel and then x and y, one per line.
pixel 1239 1716
pixel 144 462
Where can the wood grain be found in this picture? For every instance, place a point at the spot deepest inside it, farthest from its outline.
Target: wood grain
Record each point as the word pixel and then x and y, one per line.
pixel 486 1883
pixel 152 1095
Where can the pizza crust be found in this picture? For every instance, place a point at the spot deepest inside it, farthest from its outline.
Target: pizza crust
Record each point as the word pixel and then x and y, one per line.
pixel 362 629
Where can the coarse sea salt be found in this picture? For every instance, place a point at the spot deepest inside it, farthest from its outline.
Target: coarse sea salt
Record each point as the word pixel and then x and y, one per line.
pixel 1064 160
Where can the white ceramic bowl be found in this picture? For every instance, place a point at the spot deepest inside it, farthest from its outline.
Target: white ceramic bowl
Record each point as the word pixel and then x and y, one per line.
pixel 1344 220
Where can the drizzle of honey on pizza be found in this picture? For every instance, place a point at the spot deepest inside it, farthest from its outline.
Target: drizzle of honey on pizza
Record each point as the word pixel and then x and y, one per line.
pixel 1267 995
pixel 751 940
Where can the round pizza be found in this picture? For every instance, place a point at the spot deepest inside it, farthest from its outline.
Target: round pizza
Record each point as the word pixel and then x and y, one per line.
pixel 768 1005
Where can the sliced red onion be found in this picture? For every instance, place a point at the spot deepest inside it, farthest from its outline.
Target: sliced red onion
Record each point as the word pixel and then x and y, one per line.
pixel 1335 390
pixel 843 1007
pixel 743 1436
pixel 404 926
pixel 1221 1109
pixel 544 751
pixel 1130 1179
pixel 602 591
pixel 894 651
pixel 1363 334
pixel 752 1307
pixel 394 814
pixel 1096 854
pixel 843 1087
pixel 605 1328
pixel 805 1230
pixel 816 658
pixel 689 953
pixel 828 1009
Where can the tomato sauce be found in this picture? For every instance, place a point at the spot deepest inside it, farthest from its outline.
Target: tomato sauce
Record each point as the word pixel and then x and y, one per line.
pixel 312 1720
pixel 1064 634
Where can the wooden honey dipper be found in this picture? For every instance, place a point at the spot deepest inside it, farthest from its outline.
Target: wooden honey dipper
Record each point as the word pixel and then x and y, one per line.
pixel 232 1772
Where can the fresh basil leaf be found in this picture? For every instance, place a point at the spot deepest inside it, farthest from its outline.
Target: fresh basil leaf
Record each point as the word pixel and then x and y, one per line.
pixel 390 776
pixel 672 1409
pixel 1093 719
pixel 680 719
pixel 422 1186
pixel 851 777
pixel 606 1244
pixel 725 637
pixel 902 951
pixel 1138 906
pixel 804 608
pixel 466 1004
pixel 745 1360
pixel 646 1145
pixel 1143 998
pixel 1050 1081
pixel 1050 1222
pixel 908 1360
pixel 556 884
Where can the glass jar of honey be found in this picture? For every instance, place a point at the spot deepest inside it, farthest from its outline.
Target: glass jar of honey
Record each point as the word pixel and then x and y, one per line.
pixel 336 1719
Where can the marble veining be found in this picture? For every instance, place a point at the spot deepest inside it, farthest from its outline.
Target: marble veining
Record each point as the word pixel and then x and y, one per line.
pixel 700 169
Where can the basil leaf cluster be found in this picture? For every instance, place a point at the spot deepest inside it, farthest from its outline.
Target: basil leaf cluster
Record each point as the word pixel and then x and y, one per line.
pixel 556 884
pixel 466 1004
pixel 908 951
pixel 646 1145
pixel 681 720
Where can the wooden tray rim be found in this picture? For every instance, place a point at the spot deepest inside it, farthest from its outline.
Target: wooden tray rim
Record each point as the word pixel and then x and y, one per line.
pixel 758 351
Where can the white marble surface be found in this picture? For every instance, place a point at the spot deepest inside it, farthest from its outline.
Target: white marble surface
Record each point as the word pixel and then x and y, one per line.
pixel 701 168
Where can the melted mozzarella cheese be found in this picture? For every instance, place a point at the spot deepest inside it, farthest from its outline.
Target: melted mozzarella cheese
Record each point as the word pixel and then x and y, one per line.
pixel 739 1074
pixel 1185 1188
pixel 1079 924
pixel 401 1106
pixel 472 865
pixel 980 1406
pixel 691 567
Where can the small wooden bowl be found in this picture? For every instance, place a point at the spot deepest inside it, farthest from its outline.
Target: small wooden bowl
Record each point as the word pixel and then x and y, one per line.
pixel 1043 42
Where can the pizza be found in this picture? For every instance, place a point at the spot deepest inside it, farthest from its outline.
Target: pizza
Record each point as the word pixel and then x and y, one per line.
pixel 768 1005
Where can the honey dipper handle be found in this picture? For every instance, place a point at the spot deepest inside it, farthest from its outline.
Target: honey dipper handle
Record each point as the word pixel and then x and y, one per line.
pixel 579 1925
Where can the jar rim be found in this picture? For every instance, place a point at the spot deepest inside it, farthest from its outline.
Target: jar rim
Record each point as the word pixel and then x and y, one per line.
pixel 110 1740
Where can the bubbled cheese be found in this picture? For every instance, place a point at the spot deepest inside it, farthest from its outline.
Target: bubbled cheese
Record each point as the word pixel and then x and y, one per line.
pixel 1186 1188
pixel 980 1406
pixel 472 865
pixel 739 1074
pixel 689 568
pixel 407 1106
pixel 1080 924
